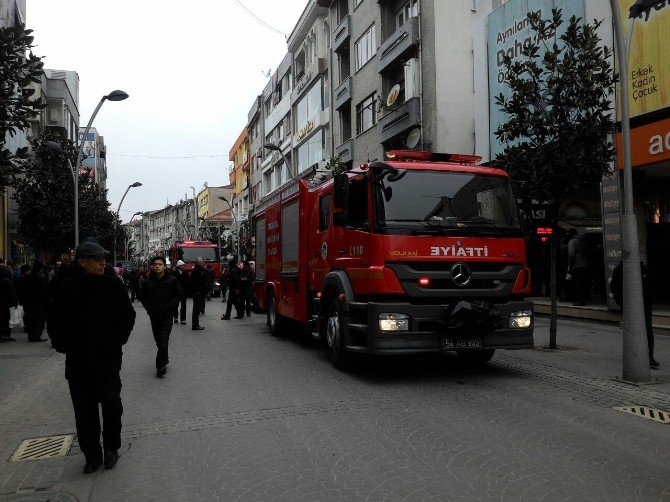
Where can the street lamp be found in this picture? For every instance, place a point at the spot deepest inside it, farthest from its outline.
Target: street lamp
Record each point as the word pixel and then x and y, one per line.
pixel 274 148
pixel 112 96
pixel 118 210
pixel 56 147
pixel 635 350
pixel 235 221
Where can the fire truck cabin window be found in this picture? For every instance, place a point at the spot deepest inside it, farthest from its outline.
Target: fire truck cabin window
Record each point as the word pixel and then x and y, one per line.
pixel 357 211
pixel 324 212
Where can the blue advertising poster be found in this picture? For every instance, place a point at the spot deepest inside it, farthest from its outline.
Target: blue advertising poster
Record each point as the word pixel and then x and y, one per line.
pixel 89 153
pixel 508 30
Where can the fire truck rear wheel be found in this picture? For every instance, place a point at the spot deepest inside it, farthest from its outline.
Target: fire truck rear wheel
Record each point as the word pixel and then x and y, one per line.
pixel 476 357
pixel 274 321
pixel 335 337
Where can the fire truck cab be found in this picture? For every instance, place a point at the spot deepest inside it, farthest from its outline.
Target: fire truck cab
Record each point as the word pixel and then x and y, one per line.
pixel 422 253
pixel 189 251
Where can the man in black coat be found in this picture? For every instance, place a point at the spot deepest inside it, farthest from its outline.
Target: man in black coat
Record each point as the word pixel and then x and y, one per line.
pixel 185 282
pixel 616 288
pixel 35 303
pixel 199 288
pixel 160 296
pixel 90 319
pixel 235 293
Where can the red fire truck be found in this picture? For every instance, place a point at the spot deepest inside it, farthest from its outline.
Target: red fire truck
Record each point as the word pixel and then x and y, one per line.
pixel 421 253
pixel 189 251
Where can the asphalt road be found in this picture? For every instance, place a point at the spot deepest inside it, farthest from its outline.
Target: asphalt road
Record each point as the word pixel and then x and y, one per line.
pixel 245 416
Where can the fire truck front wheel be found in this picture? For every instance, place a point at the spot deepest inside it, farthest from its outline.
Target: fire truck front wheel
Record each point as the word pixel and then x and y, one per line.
pixel 274 320
pixel 335 337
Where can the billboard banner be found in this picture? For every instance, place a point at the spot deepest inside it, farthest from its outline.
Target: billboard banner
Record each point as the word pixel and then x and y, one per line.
pixel 89 153
pixel 509 29
pixel 648 63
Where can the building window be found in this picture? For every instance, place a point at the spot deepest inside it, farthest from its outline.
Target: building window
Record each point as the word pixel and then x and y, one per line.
pixel 410 9
pixel 311 151
pixel 310 104
pixel 366 47
pixel 366 114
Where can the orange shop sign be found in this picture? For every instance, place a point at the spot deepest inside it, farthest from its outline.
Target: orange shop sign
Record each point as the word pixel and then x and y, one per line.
pixel 649 144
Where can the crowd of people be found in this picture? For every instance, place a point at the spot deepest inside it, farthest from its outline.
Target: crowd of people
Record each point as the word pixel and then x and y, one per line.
pixel 86 307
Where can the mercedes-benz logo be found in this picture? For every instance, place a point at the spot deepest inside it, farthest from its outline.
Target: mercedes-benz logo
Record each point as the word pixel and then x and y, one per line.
pixel 461 274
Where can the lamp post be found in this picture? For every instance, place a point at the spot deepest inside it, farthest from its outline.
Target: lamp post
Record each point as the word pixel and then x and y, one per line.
pixel 635 350
pixel 112 96
pixel 131 220
pixel 195 213
pixel 236 225
pixel 274 148
pixel 118 210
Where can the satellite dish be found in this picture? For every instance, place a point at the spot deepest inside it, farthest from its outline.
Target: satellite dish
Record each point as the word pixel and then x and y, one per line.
pixel 393 95
pixel 413 138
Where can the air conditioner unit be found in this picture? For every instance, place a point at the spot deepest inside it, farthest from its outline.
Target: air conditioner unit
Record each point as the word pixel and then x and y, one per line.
pixel 412 79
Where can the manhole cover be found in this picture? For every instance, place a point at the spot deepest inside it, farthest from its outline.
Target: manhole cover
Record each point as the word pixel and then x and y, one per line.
pixel 42 448
pixel 659 416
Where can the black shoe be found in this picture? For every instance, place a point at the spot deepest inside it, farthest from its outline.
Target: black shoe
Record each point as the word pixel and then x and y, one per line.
pixel 239 317
pixel 198 328
pixel 183 323
pixel 176 320
pixel 653 363
pixel 248 314
pixel 111 457
pixel 92 466
pixel 225 318
pixel 160 372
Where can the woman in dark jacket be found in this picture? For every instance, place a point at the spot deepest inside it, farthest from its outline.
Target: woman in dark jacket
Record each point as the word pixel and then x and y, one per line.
pixel 7 300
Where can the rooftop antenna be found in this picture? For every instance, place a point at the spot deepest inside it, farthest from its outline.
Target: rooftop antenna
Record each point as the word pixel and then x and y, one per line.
pixel 267 73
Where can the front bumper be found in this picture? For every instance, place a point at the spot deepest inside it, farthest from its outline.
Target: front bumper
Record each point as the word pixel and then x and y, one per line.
pixel 430 324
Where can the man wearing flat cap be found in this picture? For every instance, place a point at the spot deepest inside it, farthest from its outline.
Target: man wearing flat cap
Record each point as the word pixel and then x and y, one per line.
pixel 90 319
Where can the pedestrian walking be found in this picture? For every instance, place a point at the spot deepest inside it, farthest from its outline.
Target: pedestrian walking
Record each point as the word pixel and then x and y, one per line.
pixel 616 288
pixel 185 283
pixel 223 281
pixel 199 289
pixel 8 300
pixel 90 319
pixel 160 296
pixel 578 267
pixel 246 290
pixel 133 279
pixel 234 296
pixel 35 303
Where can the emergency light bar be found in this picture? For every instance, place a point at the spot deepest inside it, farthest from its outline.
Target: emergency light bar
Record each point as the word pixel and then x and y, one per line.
pixel 430 156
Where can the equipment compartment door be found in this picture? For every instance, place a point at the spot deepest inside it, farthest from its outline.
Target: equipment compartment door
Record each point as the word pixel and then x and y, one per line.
pixel 290 227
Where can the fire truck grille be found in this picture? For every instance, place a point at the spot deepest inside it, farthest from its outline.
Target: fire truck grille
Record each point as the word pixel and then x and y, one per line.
pixel 486 280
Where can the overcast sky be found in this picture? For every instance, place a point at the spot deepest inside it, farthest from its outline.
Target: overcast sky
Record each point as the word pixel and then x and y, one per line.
pixel 192 70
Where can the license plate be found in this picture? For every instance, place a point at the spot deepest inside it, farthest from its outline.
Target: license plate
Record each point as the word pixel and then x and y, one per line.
pixel 461 343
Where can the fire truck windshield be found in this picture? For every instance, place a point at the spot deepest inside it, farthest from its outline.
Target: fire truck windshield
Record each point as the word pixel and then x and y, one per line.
pixel 189 254
pixel 438 202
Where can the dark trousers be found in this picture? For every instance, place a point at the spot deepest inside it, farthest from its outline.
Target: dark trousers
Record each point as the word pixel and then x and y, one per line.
pixel 161 329
pixel 235 299
pixel 198 306
pixel 650 330
pixel 181 310
pixel 34 318
pixel 5 331
pixel 86 414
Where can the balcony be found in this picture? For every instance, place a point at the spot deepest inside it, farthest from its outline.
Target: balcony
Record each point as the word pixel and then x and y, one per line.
pixel 341 35
pixel 402 44
pixel 343 93
pixel 401 119
pixel 345 152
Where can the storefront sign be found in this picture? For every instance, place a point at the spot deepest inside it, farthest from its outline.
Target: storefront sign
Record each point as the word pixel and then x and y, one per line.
pixel 648 65
pixel 649 144
pixel 611 208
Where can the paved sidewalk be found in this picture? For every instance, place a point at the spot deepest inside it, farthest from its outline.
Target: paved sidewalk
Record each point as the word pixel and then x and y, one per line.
pixel 242 415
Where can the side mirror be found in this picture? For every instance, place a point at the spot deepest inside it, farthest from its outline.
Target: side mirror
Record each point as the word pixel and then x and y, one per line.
pixel 340 191
pixel 340 219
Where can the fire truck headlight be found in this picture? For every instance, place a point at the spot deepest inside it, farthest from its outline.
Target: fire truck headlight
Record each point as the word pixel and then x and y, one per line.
pixel 521 319
pixel 393 322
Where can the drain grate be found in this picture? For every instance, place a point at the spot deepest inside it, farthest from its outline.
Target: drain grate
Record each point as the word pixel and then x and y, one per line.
pixel 654 414
pixel 42 448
